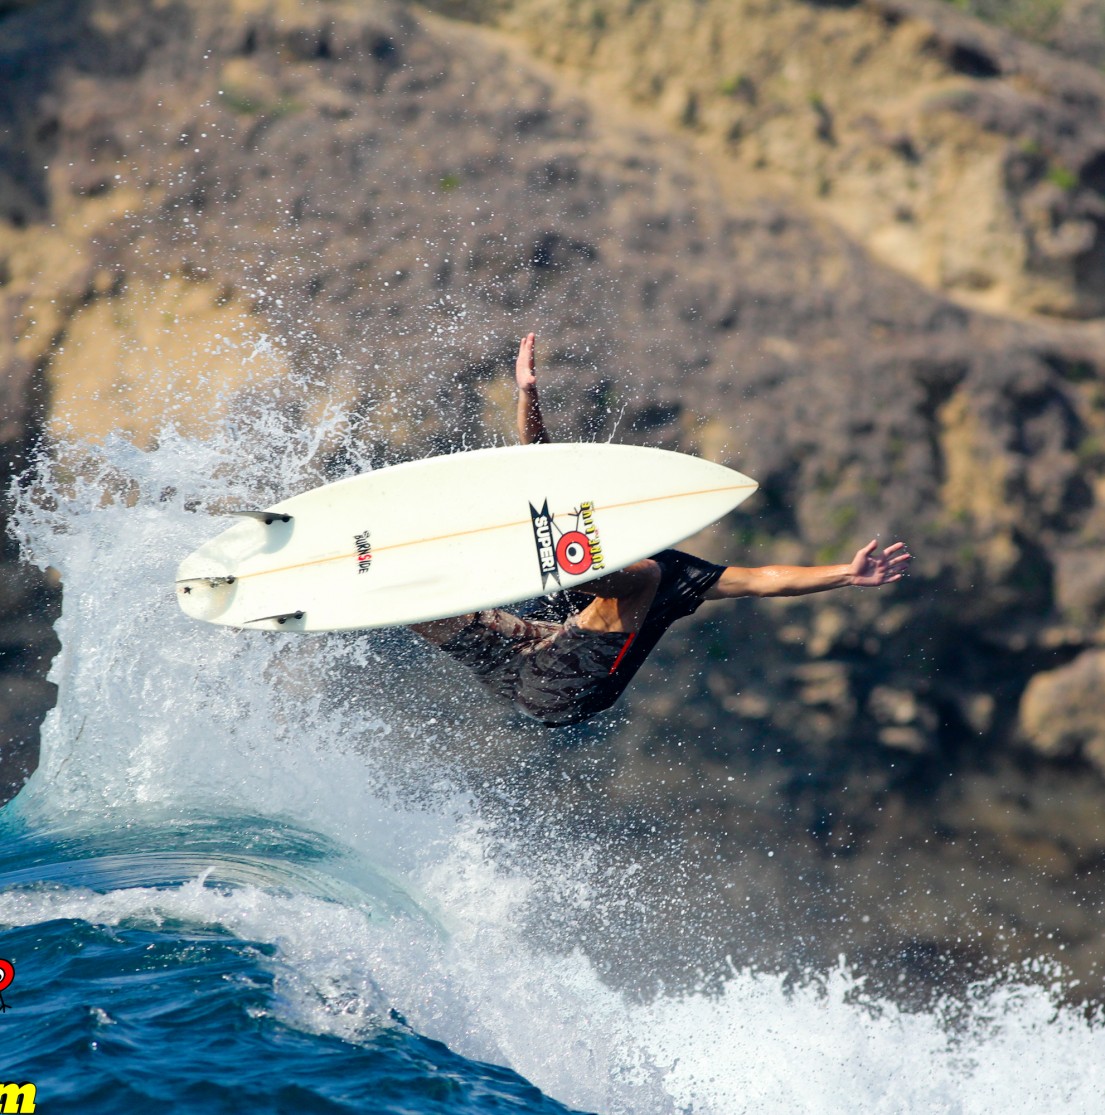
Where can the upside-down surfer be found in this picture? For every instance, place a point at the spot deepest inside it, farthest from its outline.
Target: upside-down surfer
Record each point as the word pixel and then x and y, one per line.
pixel 564 673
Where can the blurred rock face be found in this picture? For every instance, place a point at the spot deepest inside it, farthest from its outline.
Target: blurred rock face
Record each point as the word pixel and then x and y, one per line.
pixel 1062 712
pixel 952 151
pixel 762 234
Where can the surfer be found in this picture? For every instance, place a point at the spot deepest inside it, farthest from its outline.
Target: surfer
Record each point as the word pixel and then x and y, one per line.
pixel 565 672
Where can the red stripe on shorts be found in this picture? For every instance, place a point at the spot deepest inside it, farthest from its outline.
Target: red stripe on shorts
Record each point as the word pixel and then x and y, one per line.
pixel 621 653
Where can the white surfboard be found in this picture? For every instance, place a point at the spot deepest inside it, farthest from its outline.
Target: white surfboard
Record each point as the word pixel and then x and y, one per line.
pixel 448 535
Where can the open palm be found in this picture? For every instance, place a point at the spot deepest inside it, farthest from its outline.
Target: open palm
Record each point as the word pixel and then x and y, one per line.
pixel 870 569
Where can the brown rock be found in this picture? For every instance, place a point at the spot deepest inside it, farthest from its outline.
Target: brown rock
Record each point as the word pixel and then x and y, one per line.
pixel 1080 584
pixel 953 151
pixel 1062 712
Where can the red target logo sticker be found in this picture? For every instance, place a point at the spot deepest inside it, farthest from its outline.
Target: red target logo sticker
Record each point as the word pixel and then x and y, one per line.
pixel 7 974
pixel 573 552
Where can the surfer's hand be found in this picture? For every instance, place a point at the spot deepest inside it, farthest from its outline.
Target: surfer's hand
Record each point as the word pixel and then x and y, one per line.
pixel 870 569
pixel 523 366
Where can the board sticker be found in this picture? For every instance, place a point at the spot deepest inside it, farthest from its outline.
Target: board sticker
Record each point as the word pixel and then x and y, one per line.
pixel 363 542
pixel 575 550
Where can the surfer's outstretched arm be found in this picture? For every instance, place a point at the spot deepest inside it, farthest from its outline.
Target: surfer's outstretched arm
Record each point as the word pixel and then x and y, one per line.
pixel 868 569
pixel 531 426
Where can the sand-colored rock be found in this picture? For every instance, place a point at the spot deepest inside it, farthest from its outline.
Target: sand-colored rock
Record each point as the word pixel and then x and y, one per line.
pixel 144 357
pixel 954 152
pixel 1062 712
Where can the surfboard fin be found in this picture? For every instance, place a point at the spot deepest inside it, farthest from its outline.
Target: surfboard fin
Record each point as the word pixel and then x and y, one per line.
pixel 280 617
pixel 266 517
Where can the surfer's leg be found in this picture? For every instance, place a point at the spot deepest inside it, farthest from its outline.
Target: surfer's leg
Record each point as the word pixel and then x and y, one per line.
pixel 622 599
pixel 494 645
pixel 438 631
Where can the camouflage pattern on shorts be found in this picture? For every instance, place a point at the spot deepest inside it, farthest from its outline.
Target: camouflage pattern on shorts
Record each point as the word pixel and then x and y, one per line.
pixel 560 674
pixel 557 673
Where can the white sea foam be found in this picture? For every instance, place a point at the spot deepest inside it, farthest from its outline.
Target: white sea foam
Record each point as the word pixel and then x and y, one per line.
pixel 157 714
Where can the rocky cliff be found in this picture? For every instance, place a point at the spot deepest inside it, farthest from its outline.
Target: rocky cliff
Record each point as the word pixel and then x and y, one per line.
pixel 951 150
pixel 855 249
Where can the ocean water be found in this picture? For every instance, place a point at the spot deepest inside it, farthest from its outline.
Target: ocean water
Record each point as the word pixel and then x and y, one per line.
pixel 238 880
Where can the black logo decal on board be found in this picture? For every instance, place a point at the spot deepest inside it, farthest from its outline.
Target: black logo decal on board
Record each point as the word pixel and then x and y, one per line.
pixel 363 542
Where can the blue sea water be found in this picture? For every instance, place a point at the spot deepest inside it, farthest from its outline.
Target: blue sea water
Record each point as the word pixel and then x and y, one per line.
pixel 135 993
pixel 238 880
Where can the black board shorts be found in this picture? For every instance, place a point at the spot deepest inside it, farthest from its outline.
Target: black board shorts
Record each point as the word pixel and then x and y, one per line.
pixel 559 673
